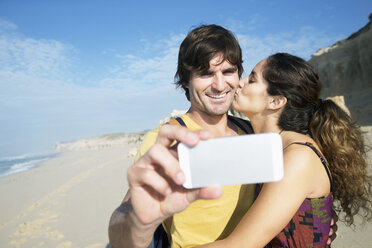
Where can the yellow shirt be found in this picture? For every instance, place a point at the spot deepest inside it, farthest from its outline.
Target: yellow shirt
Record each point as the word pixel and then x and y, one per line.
pixel 205 221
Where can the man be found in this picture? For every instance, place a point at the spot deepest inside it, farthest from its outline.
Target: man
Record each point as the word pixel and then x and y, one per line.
pixel 209 69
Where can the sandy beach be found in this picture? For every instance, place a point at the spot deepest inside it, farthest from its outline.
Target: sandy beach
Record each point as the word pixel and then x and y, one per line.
pixel 67 202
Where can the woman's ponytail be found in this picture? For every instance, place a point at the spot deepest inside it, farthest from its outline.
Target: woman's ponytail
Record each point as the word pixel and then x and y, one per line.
pixel 341 142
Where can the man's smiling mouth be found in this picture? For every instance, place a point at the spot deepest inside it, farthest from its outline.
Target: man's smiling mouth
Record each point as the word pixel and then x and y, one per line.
pixel 217 96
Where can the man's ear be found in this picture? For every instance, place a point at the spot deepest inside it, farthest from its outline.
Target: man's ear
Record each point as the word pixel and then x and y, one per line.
pixel 277 102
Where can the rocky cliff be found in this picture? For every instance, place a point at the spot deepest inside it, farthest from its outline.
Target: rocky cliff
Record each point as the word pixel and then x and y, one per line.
pixel 345 69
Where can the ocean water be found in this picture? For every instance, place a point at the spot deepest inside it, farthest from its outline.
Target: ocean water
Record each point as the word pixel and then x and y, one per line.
pixel 11 165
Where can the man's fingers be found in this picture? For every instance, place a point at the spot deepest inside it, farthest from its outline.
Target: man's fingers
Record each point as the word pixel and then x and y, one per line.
pixel 206 193
pixel 146 176
pixel 161 157
pixel 169 133
pixel 209 193
pixel 203 135
pixel 159 168
pixel 160 154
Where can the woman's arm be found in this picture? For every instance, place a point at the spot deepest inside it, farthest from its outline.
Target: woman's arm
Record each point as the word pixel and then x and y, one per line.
pixel 277 202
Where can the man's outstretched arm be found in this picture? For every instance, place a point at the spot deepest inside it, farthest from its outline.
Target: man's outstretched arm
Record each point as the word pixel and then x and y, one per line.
pixel 126 231
pixel 155 190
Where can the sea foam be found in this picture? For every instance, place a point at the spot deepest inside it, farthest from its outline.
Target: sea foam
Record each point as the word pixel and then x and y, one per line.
pixel 11 165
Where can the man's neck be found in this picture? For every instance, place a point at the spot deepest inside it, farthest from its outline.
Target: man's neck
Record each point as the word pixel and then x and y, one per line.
pixel 217 125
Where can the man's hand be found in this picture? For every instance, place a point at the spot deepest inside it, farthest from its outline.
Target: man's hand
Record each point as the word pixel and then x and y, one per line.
pixel 155 190
pixel 156 179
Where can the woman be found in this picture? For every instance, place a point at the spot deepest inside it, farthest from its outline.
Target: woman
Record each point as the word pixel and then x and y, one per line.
pixel 324 156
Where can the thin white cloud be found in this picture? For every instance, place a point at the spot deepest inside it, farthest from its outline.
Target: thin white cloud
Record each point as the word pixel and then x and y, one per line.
pixel 143 73
pixel 6 25
pixel 29 57
pixel 303 43
pixel 250 25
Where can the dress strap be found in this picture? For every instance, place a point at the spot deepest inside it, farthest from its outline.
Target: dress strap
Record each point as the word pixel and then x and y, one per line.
pixel 321 157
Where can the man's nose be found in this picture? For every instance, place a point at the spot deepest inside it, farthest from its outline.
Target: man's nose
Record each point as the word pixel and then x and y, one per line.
pixel 218 82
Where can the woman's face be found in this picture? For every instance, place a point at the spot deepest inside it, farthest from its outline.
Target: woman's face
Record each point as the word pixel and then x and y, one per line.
pixel 251 97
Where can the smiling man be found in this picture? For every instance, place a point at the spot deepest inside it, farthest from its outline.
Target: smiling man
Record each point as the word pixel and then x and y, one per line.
pixel 209 69
pixel 212 91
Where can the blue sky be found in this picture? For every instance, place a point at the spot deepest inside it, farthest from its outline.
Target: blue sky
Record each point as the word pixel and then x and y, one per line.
pixel 76 69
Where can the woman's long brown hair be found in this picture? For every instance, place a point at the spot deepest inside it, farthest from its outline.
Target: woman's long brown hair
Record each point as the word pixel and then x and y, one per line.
pixel 341 141
pixel 339 138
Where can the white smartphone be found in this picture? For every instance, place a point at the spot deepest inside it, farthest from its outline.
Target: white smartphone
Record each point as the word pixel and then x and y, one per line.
pixel 244 159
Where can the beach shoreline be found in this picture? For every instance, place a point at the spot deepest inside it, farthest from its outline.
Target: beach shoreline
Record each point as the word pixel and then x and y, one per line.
pixel 65 201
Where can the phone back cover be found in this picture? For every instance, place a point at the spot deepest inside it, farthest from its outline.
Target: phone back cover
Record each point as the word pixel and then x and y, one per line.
pixel 244 159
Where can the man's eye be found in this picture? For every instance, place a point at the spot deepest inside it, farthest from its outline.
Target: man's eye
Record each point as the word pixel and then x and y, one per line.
pixel 205 74
pixel 250 81
pixel 231 71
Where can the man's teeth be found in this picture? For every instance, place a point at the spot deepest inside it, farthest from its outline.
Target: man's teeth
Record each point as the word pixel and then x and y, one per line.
pixel 217 96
